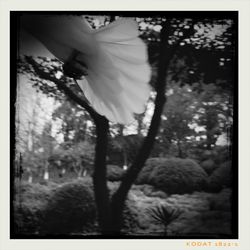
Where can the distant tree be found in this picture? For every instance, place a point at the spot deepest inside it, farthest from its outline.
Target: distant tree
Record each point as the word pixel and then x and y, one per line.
pixel 47 144
pixel 73 122
pixel 127 146
pixel 214 113
pixel 178 116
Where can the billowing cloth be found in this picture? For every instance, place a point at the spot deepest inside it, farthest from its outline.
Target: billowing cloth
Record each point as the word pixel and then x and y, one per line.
pixel 116 84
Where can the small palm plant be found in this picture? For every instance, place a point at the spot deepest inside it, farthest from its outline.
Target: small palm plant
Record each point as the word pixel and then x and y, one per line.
pixel 164 215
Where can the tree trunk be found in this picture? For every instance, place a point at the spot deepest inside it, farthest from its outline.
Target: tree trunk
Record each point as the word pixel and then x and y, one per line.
pixel 99 176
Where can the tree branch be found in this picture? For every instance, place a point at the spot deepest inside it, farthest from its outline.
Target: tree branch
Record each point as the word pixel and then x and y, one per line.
pixel 62 86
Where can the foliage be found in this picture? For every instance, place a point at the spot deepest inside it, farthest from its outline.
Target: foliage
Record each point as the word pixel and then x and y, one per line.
pixel 33 192
pixel 73 122
pixel 221 177
pixel 214 113
pixel 114 173
pixel 74 158
pixel 29 207
pixel 27 218
pixel 124 146
pixel 195 116
pixel 148 189
pixel 145 174
pixel 218 154
pixel 221 154
pixel 221 201
pixel 208 165
pixel 70 209
pixel 164 215
pixel 173 175
pixel 177 117
pixel 130 217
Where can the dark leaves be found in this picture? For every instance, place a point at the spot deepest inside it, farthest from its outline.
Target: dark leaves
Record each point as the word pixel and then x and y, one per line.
pixel 163 214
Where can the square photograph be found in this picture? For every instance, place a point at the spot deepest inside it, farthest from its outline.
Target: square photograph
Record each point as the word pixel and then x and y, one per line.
pixel 125 125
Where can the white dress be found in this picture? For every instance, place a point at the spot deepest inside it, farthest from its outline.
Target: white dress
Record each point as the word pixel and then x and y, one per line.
pixel 118 70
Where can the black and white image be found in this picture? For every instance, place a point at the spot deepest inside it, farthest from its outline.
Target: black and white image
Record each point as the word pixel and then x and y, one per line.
pixel 125 125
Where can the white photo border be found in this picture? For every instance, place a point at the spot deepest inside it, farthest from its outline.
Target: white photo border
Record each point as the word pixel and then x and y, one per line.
pixel 243 6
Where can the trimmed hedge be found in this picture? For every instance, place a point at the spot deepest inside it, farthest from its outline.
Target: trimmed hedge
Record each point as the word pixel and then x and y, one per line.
pixel 29 206
pixel 173 175
pixel 114 173
pixel 70 209
pixel 221 177
pixel 208 165
pixel 27 218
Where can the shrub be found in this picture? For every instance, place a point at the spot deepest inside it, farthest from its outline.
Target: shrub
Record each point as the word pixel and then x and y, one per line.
pixel 221 177
pixel 173 175
pixel 148 189
pixel 208 165
pixel 70 209
pixel 221 201
pixel 151 164
pixel 221 154
pixel 114 173
pixel 130 217
pixel 163 215
pixel 206 154
pixel 29 207
pixel 159 194
pixel 27 218
pixel 33 191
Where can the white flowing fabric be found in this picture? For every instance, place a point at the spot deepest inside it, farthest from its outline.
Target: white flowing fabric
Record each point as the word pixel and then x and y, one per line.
pixel 118 70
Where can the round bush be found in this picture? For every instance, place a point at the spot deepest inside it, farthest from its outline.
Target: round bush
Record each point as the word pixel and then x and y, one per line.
pixel 206 154
pixel 173 175
pixel 208 165
pixel 221 177
pixel 70 209
pixel 27 218
pixel 33 191
pixel 29 207
pixel 114 173
pixel 145 174
pixel 221 154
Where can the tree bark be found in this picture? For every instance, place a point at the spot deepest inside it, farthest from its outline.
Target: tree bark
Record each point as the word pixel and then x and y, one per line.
pixel 99 177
